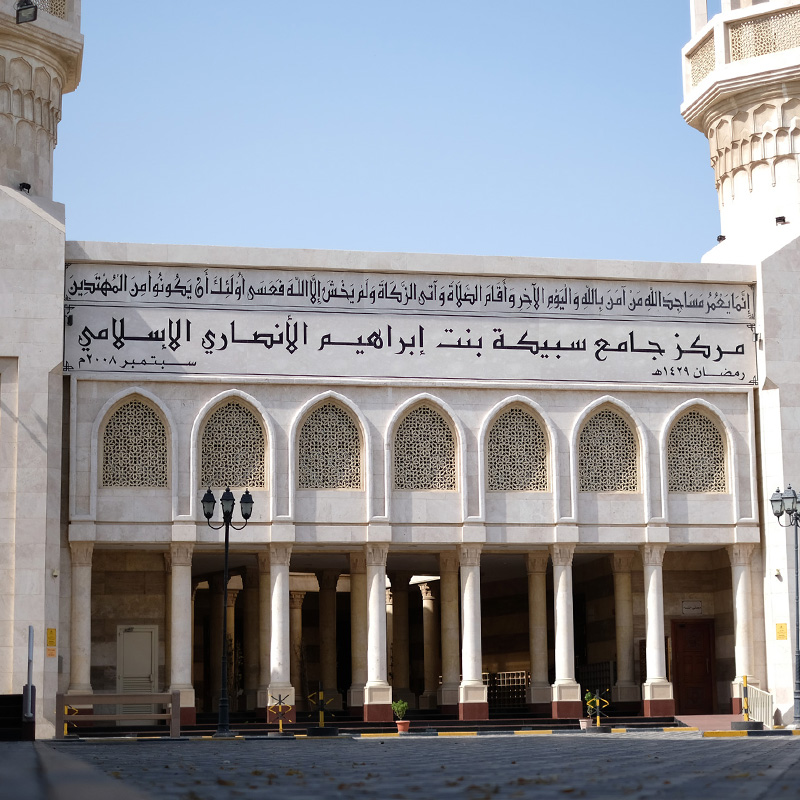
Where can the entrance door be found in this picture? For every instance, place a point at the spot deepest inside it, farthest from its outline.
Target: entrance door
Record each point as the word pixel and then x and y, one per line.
pixel 693 665
pixel 137 667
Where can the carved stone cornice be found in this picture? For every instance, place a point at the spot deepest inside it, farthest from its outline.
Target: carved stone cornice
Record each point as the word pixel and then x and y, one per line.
pixel 469 555
pixel 180 554
pixel 562 554
pixel 653 554
pixel 81 553
pixel 280 555
pixel 536 561
pixel 740 554
pixel 376 554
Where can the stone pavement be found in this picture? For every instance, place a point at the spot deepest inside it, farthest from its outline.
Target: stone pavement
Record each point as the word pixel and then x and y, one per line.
pixel 635 765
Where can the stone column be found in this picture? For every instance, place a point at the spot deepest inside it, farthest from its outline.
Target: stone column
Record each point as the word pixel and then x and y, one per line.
pixel 401 665
pixel 699 14
pixel 539 693
pixel 180 626
pixel 625 690
pixel 740 555
pixel 567 701
pixel 657 690
pixel 327 580
pixel 431 651
pixel 251 643
pixel 377 692
pixel 389 633
pixel 264 627
pixel 168 614
pixel 80 648
pixel 472 694
pixel 358 629
pixel 280 654
pixel 215 636
pixel 450 628
pixel 296 638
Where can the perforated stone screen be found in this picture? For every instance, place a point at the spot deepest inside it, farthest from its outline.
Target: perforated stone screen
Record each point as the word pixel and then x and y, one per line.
pixel 329 450
pixel 58 8
pixel 232 448
pixel 770 33
pixel 607 455
pixel 703 60
pixel 695 455
pixel 516 454
pixel 424 452
pixel 135 448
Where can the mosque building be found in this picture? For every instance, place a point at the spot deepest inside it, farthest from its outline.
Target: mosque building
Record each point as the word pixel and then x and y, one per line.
pixel 477 482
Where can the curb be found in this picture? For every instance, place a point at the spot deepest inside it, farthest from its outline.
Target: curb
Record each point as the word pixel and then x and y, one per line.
pixel 735 734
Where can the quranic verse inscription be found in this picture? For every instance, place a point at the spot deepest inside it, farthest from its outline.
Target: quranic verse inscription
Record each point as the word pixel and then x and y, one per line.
pixel 207 322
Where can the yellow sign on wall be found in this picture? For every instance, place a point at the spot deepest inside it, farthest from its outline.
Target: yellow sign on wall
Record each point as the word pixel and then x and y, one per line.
pixel 781 631
pixel 50 651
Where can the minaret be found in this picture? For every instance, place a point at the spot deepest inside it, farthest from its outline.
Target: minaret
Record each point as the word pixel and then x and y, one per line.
pixel 39 62
pixel 741 88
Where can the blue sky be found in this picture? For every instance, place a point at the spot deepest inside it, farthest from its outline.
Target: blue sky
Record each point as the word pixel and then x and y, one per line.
pixel 510 127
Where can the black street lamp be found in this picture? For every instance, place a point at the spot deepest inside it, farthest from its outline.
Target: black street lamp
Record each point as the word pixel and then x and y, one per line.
pixel 786 502
pixel 227 501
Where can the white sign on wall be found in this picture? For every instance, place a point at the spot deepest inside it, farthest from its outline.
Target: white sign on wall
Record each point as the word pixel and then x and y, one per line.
pixel 271 323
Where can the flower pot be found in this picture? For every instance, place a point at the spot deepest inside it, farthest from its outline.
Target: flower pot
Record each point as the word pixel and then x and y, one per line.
pixel 585 723
pixel 402 725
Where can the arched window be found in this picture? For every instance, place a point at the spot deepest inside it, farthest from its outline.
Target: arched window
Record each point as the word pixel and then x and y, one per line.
pixel 424 452
pixel 329 450
pixel 695 455
pixel 516 453
pixel 607 455
pixel 232 448
pixel 135 449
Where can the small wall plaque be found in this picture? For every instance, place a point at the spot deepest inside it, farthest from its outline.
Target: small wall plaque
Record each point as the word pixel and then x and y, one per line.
pixel 781 632
pixel 692 608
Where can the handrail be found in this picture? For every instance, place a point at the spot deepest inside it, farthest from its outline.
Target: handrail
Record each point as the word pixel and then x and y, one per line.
pixel 171 698
pixel 761 705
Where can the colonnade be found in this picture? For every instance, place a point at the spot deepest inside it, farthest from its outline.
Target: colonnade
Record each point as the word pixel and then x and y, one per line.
pixel 452 641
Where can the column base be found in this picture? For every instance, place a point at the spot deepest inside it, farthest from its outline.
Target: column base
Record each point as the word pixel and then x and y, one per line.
pixel 378 703
pixel 567 700
pixel 188 715
pixel 658 699
pixel 626 693
pixel 473 711
pixel 285 695
pixel 428 700
pixel 447 698
pixel 355 696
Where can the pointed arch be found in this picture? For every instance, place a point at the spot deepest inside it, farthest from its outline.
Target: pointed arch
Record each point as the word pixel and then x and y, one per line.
pixel 114 403
pixel 341 459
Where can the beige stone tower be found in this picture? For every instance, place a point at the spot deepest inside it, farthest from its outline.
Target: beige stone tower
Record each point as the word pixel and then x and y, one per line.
pixel 741 86
pixel 39 61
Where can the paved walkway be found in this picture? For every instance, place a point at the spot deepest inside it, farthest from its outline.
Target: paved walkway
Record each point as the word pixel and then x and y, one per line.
pixel 635 765
pixel 710 722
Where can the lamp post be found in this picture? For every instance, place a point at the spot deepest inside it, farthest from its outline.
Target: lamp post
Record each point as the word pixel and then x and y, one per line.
pixel 227 501
pixel 786 503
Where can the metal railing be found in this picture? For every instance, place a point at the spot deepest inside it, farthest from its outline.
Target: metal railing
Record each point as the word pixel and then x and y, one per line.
pixel 761 705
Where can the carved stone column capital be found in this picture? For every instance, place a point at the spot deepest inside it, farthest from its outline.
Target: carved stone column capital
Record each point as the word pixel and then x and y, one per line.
pixel 81 553
pixel 231 597
pixel 653 554
pixel 280 554
pixel 427 592
pixel 740 554
pixel 562 554
pixel 327 579
pixel 536 561
pixel 448 561
pixel 358 563
pixel 400 580
pixel 622 561
pixel 469 555
pixel 180 554
pixel 376 554
pixel 296 599
pixel 263 562
pixel 389 597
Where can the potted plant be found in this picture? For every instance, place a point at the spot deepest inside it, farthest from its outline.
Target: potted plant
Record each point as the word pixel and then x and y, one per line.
pixel 586 721
pixel 400 707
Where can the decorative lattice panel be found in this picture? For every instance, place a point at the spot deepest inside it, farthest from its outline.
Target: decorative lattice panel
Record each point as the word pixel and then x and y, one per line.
pixel 762 35
pixel 58 8
pixel 702 60
pixel 135 451
pixel 424 452
pixel 607 455
pixel 516 454
pixel 329 450
pixel 232 448
pixel 695 455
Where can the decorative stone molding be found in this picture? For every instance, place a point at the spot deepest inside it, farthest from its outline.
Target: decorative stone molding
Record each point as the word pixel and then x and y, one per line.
pixel 296 599
pixel 740 554
pixel 180 554
pixel 469 555
pixel 653 554
pixel 537 560
pixel 376 554
pixel 622 561
pixel 81 553
pixel 280 555
pixel 562 554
